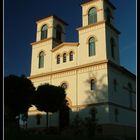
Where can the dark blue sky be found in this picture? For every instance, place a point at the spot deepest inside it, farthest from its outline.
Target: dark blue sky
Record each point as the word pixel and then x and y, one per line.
pixel 20 29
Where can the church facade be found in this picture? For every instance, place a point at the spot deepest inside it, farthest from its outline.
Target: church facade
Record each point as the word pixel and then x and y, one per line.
pixel 89 69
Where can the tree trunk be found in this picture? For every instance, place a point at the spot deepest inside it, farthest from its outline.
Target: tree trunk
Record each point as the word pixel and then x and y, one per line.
pixel 47 119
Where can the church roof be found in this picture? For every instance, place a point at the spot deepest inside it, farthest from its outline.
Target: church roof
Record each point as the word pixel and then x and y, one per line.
pixel 108 1
pixel 72 44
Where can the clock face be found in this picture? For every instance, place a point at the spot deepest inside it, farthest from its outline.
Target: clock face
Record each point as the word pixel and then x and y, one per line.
pixel 64 85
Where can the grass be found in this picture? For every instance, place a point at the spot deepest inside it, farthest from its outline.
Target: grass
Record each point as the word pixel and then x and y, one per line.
pixel 26 135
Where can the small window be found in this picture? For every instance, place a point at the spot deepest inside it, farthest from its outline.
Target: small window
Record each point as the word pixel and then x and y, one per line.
pixel 71 56
pixel 92 16
pixel 92 85
pixel 64 57
pixel 92 51
pixel 115 84
pixel 41 59
pixel 58 32
pixel 108 15
pixel 130 95
pixel 44 32
pixel 58 59
pixel 112 43
pixel 116 112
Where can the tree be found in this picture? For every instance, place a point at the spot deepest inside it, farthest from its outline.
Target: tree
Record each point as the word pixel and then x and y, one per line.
pixel 77 125
pixel 18 94
pixel 90 123
pixel 50 98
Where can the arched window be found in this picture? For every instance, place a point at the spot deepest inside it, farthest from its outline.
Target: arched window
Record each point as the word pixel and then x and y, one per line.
pixel 58 59
pixel 92 51
pixel 64 57
pixel 92 15
pixel 92 85
pixel 71 56
pixel 108 15
pixel 41 59
pixel 44 31
pixel 112 43
pixel 58 32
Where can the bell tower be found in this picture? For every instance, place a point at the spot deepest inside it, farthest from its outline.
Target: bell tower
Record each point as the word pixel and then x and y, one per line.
pixel 50 33
pixel 53 28
pixel 98 37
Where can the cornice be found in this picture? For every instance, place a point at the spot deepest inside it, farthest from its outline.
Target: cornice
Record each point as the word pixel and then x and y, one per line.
pixel 91 25
pixel 112 27
pixel 122 69
pixel 98 23
pixel 110 63
pixel 103 103
pixel 41 41
pixel 69 69
pixel 86 2
pixel 90 1
pixel 52 16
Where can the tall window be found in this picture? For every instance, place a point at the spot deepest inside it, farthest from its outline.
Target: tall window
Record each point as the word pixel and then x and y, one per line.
pixel 71 56
pixel 112 43
pixel 108 15
pixel 58 32
pixel 58 59
pixel 41 59
pixel 44 31
pixel 115 84
pixel 92 85
pixel 64 57
pixel 130 95
pixel 92 51
pixel 92 15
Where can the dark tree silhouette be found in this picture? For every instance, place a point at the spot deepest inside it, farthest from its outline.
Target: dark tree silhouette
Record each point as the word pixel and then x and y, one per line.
pixel 18 93
pixel 50 98
pixel 90 123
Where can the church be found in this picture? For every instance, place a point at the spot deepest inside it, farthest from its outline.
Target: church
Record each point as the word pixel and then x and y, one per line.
pixel 89 69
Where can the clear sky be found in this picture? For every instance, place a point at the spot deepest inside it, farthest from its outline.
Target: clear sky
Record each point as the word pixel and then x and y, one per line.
pixel 20 29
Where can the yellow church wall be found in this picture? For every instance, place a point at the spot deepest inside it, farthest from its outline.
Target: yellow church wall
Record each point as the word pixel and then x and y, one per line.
pixel 78 82
pixel 98 32
pixel 68 78
pixel 51 23
pixel 68 63
pixel 36 49
pixel 100 14
pixel 85 95
pixel 48 22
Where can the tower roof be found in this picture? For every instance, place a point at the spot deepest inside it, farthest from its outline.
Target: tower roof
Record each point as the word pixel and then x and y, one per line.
pixel 108 1
pixel 52 16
